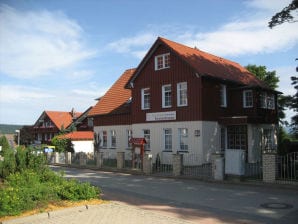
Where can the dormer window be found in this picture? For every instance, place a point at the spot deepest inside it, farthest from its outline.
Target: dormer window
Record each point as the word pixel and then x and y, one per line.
pixel 162 61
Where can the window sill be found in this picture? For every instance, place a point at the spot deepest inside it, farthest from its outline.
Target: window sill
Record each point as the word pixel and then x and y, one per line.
pixel 182 151
pixel 167 151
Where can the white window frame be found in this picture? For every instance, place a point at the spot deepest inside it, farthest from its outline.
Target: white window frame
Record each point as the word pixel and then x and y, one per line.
pixel 165 61
pixel 271 101
pixel 129 136
pixel 104 135
pixel 145 105
pixel 181 87
pixel 166 99
pixel 245 99
pixel 183 139
pixel 113 139
pixel 168 139
pixel 146 135
pixel 223 95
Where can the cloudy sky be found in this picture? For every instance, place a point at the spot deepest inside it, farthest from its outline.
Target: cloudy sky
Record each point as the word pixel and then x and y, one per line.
pixel 62 54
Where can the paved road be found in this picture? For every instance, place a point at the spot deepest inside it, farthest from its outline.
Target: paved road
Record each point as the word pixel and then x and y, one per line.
pixel 195 201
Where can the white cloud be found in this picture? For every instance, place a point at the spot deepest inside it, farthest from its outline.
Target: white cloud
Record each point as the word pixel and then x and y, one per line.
pixel 245 35
pixel 91 93
pixel 23 105
pixel 16 94
pixel 242 38
pixel 34 43
pixel 131 45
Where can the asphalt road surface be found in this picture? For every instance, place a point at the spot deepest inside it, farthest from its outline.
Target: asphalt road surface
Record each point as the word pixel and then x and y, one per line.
pixel 196 201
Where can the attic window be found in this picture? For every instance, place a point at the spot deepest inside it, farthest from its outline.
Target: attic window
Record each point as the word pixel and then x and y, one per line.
pixel 162 61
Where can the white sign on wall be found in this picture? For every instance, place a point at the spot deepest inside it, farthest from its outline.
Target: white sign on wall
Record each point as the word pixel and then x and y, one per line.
pixel 161 116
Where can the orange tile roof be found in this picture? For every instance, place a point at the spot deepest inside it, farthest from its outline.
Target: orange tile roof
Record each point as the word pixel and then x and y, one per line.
pixel 214 66
pixel 79 135
pixel 60 118
pixel 114 101
pixel 206 64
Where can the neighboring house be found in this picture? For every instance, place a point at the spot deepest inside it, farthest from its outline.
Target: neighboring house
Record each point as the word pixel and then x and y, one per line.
pixel 181 99
pixel 81 123
pixel 82 141
pixel 50 123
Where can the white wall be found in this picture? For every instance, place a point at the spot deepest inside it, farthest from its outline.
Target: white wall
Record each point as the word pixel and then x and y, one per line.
pixel 201 146
pixel 121 139
pixel 83 146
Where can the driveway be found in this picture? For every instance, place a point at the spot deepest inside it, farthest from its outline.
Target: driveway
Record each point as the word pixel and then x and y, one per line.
pixel 195 201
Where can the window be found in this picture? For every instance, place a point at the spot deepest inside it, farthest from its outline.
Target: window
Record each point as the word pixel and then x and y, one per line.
pixel 263 100
pixel 162 61
pixel 182 94
pixel 222 138
pixel 129 136
pixel 113 139
pixel 145 98
pixel 223 96
pixel 146 134
pixel 237 137
pixel 270 101
pixel 267 139
pixel 183 139
pixel 167 139
pixel 247 99
pixel 104 139
pixel 267 101
pixel 166 96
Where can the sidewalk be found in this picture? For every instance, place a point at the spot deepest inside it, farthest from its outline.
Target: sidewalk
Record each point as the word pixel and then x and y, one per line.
pixel 103 214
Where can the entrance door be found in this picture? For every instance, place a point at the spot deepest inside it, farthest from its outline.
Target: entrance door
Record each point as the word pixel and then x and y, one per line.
pixel 236 152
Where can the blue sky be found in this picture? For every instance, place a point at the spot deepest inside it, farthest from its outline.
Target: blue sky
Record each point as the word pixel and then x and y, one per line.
pixel 62 54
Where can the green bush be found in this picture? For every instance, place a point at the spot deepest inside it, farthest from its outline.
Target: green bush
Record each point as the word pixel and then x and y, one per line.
pixel 29 189
pixel 8 165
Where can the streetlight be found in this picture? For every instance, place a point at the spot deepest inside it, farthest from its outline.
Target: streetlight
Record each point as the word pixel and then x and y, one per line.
pixel 18 131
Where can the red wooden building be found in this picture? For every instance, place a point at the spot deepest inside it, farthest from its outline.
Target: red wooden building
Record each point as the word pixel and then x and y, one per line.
pixel 181 99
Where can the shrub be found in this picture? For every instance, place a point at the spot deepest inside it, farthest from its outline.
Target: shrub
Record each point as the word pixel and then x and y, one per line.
pixel 8 165
pixel 75 191
pixel 29 189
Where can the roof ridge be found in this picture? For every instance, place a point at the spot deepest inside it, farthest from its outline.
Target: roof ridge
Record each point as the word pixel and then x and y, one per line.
pixel 195 48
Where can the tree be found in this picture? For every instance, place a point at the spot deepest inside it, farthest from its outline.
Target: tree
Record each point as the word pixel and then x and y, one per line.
pixel 26 136
pixel 270 78
pixel 293 104
pixel 4 143
pixel 284 15
pixel 62 144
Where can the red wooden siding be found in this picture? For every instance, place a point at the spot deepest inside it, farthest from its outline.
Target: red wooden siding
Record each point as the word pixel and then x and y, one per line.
pixel 178 72
pixel 113 119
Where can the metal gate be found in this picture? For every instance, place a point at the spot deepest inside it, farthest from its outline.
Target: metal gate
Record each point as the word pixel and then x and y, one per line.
pixel 287 167
pixel 254 171
pixel 194 167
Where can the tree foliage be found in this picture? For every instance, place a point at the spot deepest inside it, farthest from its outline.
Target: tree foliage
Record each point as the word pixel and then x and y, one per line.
pixel 4 143
pixel 293 104
pixel 284 15
pixel 62 144
pixel 269 77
